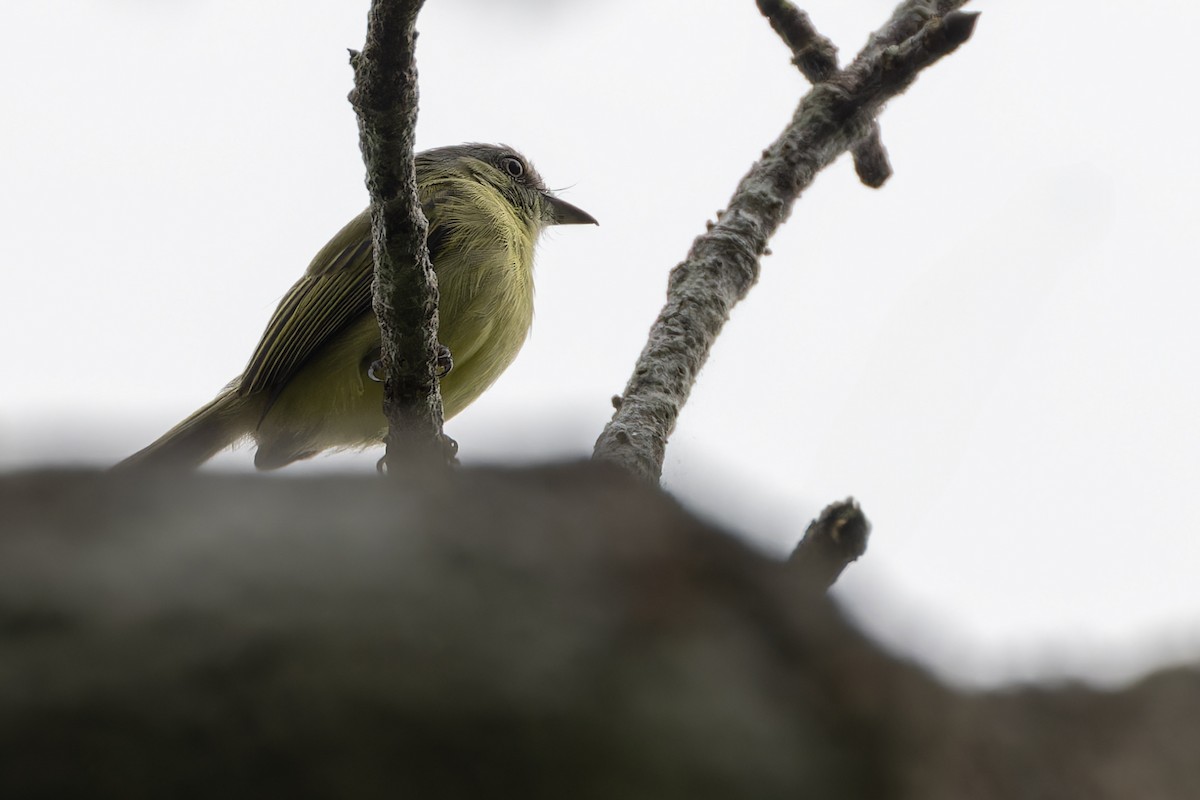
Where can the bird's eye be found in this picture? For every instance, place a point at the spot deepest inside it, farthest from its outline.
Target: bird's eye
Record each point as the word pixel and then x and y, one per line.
pixel 513 166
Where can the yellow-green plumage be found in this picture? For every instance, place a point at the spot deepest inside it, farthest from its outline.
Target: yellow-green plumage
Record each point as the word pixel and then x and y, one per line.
pixel 306 387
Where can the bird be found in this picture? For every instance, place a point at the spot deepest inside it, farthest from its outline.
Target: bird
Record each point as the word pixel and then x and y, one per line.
pixel 310 386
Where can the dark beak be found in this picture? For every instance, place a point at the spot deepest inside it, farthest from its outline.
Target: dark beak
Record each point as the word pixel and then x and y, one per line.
pixel 567 214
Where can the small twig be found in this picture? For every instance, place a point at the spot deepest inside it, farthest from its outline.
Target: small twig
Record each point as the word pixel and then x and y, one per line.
pixel 816 57
pixel 405 288
pixel 907 19
pixel 723 263
pixel 832 541
pixel 870 158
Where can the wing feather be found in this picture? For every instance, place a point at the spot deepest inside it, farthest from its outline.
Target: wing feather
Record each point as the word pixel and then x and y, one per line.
pixel 333 294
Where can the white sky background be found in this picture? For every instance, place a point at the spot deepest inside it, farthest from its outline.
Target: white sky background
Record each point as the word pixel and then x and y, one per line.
pixel 996 353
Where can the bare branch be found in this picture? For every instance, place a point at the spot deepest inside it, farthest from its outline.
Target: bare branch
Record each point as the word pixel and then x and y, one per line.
pixel 405 287
pixel 908 18
pixel 812 53
pixel 831 543
pixel 870 158
pixel 723 263
pixel 816 57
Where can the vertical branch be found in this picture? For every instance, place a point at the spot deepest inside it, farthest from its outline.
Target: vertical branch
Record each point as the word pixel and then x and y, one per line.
pixel 405 287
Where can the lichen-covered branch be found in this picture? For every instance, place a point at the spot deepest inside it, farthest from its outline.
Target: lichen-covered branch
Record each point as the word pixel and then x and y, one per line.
pixel 814 54
pixel 723 263
pixel 816 58
pixel 909 18
pixel 405 288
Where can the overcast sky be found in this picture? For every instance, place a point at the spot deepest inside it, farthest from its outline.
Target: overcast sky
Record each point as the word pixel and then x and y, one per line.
pixel 996 353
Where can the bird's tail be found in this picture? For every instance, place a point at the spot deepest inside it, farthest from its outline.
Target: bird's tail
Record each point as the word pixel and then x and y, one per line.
pixel 213 427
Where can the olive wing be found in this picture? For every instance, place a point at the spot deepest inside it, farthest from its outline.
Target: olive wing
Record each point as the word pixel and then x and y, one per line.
pixel 334 292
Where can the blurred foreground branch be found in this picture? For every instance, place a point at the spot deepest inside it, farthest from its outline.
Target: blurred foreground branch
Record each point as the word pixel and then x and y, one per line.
pixel 556 632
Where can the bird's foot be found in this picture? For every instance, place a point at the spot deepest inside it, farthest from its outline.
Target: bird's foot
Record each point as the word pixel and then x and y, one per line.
pixel 445 363
pixel 449 452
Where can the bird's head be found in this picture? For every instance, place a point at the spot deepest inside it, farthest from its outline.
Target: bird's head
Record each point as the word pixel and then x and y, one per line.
pixel 509 173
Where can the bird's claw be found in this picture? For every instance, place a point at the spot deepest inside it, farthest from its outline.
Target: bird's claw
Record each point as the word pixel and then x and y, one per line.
pixel 445 362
